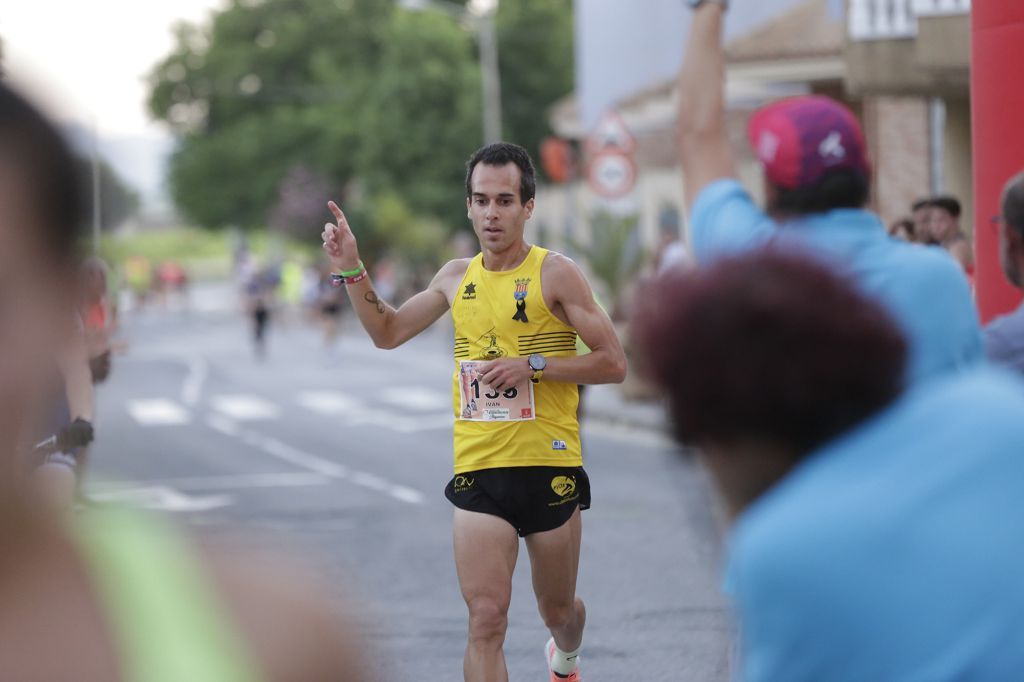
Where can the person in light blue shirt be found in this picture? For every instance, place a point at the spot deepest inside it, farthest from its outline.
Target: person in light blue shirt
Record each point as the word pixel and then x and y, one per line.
pixel 1004 336
pixel 877 529
pixel 817 185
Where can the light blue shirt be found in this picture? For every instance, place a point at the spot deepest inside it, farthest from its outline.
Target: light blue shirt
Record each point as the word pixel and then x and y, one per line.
pixel 897 552
pixel 924 289
pixel 1004 340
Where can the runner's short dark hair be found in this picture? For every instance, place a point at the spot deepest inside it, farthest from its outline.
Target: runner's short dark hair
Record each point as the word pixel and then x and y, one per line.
pixel 841 188
pixel 1013 203
pixel 745 355
pixel 38 151
pixel 948 204
pixel 500 154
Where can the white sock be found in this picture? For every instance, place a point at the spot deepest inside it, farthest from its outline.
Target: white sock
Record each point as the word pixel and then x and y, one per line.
pixel 563 662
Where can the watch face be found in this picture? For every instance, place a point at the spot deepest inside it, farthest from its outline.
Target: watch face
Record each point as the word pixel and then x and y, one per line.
pixel 537 362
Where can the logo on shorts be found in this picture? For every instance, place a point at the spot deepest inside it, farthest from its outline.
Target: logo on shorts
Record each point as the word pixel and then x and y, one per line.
pixel 564 486
pixel 470 292
pixel 463 483
pixel 559 445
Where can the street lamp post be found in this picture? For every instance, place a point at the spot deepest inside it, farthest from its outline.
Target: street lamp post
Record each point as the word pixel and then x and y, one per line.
pixel 481 15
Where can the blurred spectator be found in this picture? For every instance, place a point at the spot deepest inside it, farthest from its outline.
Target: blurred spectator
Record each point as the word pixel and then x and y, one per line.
pixel 877 535
pixel 902 230
pixel 817 187
pixel 1004 336
pixel 115 595
pixel 921 212
pixel 943 229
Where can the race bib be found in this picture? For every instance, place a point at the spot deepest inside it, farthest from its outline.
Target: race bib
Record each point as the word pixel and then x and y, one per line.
pixel 481 403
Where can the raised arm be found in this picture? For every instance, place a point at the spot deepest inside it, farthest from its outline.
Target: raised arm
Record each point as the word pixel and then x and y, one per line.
pixel 387 326
pixel 703 139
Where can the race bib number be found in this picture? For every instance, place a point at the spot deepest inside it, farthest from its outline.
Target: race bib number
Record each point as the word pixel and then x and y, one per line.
pixel 481 403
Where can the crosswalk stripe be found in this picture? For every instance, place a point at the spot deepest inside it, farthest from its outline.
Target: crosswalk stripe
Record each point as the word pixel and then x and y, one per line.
pixel 327 402
pixel 158 412
pixel 245 407
pixel 416 398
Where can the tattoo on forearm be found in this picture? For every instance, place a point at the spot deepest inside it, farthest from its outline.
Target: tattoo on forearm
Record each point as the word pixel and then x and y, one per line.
pixel 371 298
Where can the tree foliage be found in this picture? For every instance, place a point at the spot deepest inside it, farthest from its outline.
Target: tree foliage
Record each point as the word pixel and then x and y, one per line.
pixel 370 99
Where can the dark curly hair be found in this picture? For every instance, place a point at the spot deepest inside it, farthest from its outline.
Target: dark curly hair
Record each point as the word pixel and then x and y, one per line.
pixel 499 154
pixel 767 347
pixel 38 151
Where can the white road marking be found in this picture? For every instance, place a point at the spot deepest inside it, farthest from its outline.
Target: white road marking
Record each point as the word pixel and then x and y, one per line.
pixel 318 466
pixel 416 398
pixel 163 498
pixel 158 412
pixel 192 389
pixel 245 407
pixel 229 482
pixel 328 402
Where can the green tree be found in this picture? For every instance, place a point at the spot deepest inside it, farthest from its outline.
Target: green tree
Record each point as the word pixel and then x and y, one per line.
pixel 614 253
pixel 535 43
pixel 372 99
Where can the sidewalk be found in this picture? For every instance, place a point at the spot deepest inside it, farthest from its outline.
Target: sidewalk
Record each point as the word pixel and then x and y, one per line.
pixel 606 403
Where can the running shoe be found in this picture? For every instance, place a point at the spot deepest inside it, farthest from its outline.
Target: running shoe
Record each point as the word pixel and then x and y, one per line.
pixel 574 676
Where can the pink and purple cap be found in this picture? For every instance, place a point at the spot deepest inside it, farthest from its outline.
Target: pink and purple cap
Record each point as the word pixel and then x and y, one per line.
pixel 799 140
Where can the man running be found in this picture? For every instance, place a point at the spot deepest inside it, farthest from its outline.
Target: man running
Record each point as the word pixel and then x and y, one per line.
pixel 517 310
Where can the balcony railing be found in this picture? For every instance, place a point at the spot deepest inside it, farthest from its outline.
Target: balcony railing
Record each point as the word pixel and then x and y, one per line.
pixel 930 8
pixel 881 19
pixel 888 19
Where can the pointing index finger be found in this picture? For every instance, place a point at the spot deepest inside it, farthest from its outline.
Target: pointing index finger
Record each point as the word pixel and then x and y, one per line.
pixel 336 210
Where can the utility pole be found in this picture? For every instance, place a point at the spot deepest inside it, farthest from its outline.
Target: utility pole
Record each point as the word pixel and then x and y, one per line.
pixel 96 194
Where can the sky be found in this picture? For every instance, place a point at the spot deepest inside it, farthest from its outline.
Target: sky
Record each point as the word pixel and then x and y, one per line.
pixel 84 62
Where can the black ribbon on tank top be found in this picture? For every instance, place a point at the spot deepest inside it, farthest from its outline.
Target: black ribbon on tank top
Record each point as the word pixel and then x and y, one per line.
pixel 520 315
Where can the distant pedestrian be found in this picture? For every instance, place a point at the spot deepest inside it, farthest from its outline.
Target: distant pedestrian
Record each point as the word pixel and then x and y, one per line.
pixel 921 214
pixel 259 294
pixel 943 229
pixel 817 176
pixel 1004 336
pixel 903 230
pixel 876 532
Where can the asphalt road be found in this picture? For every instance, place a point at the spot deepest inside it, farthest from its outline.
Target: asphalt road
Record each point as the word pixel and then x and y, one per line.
pixel 342 458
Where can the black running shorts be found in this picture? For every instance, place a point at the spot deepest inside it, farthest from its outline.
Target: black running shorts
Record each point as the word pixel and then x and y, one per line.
pixel 531 499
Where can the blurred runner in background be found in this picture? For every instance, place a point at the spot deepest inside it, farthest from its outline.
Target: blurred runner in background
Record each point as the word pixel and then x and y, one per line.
pixel 115 595
pixel 877 535
pixel 260 289
pixel 330 300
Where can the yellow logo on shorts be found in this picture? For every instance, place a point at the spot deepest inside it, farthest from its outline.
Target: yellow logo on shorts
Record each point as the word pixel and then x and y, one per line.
pixel 463 483
pixel 564 486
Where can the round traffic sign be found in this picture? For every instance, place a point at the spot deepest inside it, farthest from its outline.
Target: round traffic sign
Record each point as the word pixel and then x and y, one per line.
pixel 612 173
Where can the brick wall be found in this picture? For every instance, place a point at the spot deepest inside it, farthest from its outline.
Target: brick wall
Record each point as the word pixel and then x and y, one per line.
pixel 897 129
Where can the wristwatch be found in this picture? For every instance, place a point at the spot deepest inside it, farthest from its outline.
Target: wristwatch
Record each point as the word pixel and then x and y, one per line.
pixel 538 363
pixel 694 4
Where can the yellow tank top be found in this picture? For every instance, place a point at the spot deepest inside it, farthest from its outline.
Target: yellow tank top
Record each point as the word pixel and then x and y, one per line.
pixel 503 315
